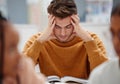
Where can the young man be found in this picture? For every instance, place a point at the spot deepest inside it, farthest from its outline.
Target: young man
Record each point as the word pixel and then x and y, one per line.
pixel 109 72
pixel 65 48
pixel 14 68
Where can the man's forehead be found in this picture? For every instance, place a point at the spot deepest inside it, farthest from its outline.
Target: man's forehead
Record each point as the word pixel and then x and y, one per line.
pixel 63 25
pixel 57 18
pixel 63 22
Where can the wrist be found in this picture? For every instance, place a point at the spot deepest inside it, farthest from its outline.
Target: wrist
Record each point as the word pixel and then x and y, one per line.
pixel 41 39
pixel 85 36
pixel 88 39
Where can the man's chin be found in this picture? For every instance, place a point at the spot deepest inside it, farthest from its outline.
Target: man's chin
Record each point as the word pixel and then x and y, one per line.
pixel 62 40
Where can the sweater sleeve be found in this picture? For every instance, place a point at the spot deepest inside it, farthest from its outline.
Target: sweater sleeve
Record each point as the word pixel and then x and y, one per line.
pixel 96 52
pixel 32 48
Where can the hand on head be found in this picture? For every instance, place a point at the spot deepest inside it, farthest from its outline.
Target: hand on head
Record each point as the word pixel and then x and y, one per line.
pixel 48 33
pixel 78 30
pixel 69 33
pixel 75 20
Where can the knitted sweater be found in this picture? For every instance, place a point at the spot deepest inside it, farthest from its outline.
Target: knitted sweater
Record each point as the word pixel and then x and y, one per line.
pixel 75 58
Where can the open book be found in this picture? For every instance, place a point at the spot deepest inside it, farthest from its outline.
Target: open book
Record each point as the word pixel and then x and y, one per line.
pixel 66 79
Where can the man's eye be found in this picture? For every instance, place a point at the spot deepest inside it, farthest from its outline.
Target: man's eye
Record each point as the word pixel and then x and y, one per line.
pixel 68 27
pixel 57 27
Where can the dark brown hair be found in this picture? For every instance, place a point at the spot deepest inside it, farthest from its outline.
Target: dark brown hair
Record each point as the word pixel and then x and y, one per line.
pixel 62 8
pixel 116 10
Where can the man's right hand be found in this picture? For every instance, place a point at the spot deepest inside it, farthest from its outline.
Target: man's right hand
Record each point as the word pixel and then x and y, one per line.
pixel 48 33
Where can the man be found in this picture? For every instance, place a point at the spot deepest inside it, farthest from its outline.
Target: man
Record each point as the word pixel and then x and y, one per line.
pixel 109 72
pixel 64 48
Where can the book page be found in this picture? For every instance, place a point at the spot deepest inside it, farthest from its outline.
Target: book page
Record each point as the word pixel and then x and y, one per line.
pixel 53 78
pixel 74 80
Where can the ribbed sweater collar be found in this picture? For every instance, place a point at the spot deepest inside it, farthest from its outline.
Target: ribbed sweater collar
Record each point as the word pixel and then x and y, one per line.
pixel 67 44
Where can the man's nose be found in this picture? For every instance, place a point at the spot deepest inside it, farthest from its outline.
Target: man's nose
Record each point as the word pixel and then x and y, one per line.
pixel 63 32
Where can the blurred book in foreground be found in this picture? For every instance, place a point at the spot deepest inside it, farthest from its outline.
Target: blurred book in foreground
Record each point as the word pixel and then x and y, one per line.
pixel 66 79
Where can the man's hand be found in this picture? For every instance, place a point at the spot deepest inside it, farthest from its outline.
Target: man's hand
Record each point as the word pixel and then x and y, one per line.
pixel 48 33
pixel 84 35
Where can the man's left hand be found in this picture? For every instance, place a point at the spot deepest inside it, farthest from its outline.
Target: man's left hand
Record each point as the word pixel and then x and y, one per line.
pixel 84 35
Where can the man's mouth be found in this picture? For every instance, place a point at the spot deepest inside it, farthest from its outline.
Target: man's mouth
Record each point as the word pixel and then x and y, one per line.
pixel 63 37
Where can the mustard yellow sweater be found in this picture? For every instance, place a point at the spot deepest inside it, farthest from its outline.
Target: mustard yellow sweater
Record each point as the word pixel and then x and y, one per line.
pixel 75 58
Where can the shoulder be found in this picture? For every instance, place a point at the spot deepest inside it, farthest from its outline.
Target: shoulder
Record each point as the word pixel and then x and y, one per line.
pixel 96 38
pixel 35 36
pixel 93 35
pixel 101 70
pixel 30 41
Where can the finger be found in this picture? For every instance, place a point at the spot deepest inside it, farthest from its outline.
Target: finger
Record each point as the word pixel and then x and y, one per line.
pixel 74 26
pixel 51 30
pixel 75 19
pixel 49 18
pixel 51 35
pixel 73 23
pixel 52 19
pixel 53 25
pixel 72 19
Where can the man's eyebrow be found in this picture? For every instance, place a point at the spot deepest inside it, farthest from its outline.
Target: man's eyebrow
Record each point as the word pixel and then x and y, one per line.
pixel 68 25
pixel 57 25
pixel 65 26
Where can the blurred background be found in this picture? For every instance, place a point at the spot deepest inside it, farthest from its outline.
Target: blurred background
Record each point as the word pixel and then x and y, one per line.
pixel 30 17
